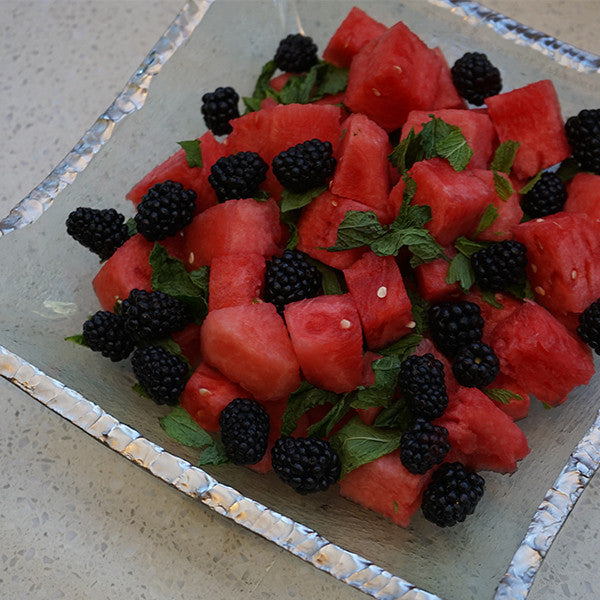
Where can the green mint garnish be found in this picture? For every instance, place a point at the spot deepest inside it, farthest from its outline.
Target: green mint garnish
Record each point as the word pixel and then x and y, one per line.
pixel 193 153
pixel 293 201
pixel 503 186
pixel 489 216
pixel 262 88
pixel 504 157
pixel 307 396
pixel 529 186
pixel 179 425
pixel 501 395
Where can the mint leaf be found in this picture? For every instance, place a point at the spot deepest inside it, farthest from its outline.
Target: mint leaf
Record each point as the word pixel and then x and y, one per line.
pixel 455 149
pixel 357 444
pixel 504 156
pixel 407 152
pixel 307 396
pixel 179 425
pixel 460 271
pixel 489 216
pixel 501 395
pixel 290 220
pixel 77 339
pixel 522 290
pixel 491 299
pixel 193 153
pixel 404 347
pixel 293 200
pixel 503 187
pixel 333 80
pixel 139 389
pixel 396 415
pixel 420 308
pixel 468 247
pixel 382 391
pixel 433 132
pixel 356 230
pixel 131 227
pixel 262 196
pixel 324 427
pixel 262 87
pixel 332 280
pixel 213 455
pixel 568 169
pixel 529 186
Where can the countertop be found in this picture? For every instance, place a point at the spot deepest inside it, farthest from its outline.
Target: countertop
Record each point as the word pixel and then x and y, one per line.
pixel 76 519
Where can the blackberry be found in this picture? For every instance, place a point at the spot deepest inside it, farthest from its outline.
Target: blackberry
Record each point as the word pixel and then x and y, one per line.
pixel 500 265
pixel 163 375
pixel 304 166
pixel 423 386
pixel 455 324
pixel 152 315
pixel 165 209
pixel 476 78
pixel 589 326
pixel 546 197
pixel 422 446
pixel 100 230
pixel 306 464
pixel 289 278
pixel 583 133
pixel 238 175
pixel 218 108
pixel 105 332
pixel 452 495
pixel 244 427
pixel 475 365
pixel 296 53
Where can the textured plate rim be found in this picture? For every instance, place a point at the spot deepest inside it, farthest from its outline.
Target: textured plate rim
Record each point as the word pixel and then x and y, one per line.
pixel 193 481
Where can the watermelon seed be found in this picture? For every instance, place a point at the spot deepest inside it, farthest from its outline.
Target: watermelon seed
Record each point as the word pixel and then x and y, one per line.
pixel 334 203
pixel 203 392
pixel 534 268
pixel 573 274
pixel 398 68
pixel 411 324
pixel 376 92
pixel 540 290
pixel 191 258
pixel 382 292
pixel 345 324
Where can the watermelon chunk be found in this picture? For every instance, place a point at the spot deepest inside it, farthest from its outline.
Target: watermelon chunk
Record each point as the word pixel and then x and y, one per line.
pixel 233 227
pixel 387 487
pixel 531 115
pixel 431 279
pixel 510 214
pixel 446 95
pixel 235 279
pixel 207 393
pixel 377 287
pixel 327 338
pixel 355 31
pixel 457 199
pixel 536 351
pixel 584 197
pixel 481 435
pixel 188 340
pixel 563 252
pixel 251 347
pixel 362 169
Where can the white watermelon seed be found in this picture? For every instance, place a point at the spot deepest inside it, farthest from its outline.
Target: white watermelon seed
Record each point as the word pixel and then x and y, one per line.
pixel 411 324
pixel 540 290
pixel 376 92
pixel 345 324
pixel 382 292
pixel 191 258
pixel 573 274
pixel 203 392
pixel 534 268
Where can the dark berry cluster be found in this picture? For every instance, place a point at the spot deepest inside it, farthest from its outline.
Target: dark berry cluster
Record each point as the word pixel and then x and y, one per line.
pixel 304 166
pixel 238 175
pixel 500 265
pixel 476 78
pixel 455 324
pixel 423 386
pixel 296 53
pixel 244 427
pixel 452 495
pixel 589 326
pixel 104 332
pixel 165 209
pixel 220 107
pixel 546 197
pixel 475 365
pixel 306 464
pixel 583 133
pixel 423 445
pixel 100 230
pixel 289 278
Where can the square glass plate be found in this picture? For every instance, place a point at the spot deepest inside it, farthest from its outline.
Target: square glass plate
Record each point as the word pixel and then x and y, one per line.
pixel 47 294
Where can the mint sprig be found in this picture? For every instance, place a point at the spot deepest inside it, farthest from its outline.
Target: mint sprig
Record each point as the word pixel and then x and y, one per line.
pixel 193 153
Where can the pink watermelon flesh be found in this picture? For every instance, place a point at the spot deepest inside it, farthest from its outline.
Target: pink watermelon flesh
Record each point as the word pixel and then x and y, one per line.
pixel 188 340
pixel 531 115
pixel 509 215
pixel 392 75
pixel 457 199
pixel 387 487
pixel 493 315
pixel 207 393
pixel 235 279
pixel 251 347
pixel 431 279
pixel 327 338
pixel 355 31
pixel 563 252
pixel 536 351
pixel 127 269
pixel 584 197
pixel 446 95
pixel 233 227
pixel 318 225
pixel 516 408
pixel 362 169
pixel 481 435
pixel 475 126
pixel 377 287
pixel 176 168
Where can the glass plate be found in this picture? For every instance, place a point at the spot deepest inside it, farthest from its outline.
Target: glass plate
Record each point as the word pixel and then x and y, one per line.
pixel 50 295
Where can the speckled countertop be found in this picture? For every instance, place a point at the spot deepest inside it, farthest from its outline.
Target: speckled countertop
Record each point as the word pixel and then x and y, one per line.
pixel 76 519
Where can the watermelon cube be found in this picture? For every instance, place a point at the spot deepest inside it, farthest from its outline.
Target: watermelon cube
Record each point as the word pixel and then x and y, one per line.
pixel 251 347
pixel 536 351
pixel 355 31
pixel 446 95
pixel 387 487
pixel 431 279
pixel 516 408
pixel 510 214
pixel 328 341
pixel 362 169
pixel 207 393
pixel 584 197
pixel 377 287
pixel 233 227
pixel 531 115
pixel 563 252
pixel 188 340
pixel 235 279
pixel 457 199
